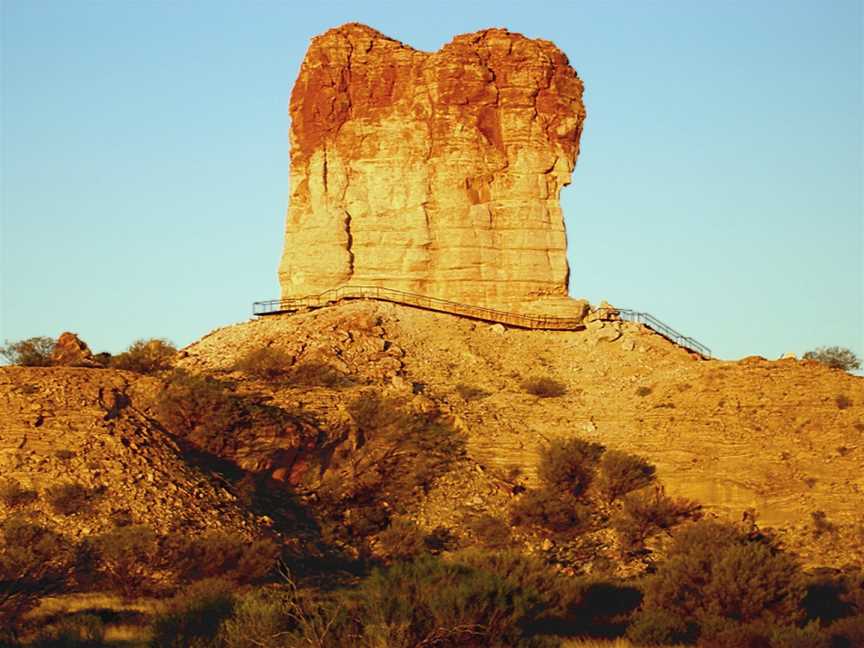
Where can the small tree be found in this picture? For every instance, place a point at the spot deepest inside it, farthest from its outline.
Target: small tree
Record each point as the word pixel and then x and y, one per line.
pixel 146 356
pixel 32 352
pixel 835 357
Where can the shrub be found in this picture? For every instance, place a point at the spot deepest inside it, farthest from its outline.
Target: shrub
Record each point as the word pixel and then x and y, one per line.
pixel 146 356
pixel 544 387
pixel 32 352
pixel 657 627
pixel 267 363
pixel 569 465
pixel 258 618
pixel 561 513
pixel 224 555
pixel 492 532
pixel 432 602
pixel 402 540
pixel 643 391
pixel 124 556
pixel 68 499
pixel 12 494
pixel 622 472
pixel 715 573
pixel 192 618
pixel 647 512
pixel 835 357
pixel 65 455
pixel 34 562
pixel 471 393
pixel 843 401
pixel 848 632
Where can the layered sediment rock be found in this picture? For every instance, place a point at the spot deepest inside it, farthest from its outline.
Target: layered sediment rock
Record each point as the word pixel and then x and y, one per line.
pixel 433 173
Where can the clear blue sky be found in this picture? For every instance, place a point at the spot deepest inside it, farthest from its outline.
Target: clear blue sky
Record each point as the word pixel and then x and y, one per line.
pixel 145 160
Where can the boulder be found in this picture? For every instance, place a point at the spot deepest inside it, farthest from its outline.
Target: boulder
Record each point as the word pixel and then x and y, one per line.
pixel 70 350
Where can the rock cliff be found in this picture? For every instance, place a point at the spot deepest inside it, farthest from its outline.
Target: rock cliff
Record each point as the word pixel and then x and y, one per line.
pixel 434 173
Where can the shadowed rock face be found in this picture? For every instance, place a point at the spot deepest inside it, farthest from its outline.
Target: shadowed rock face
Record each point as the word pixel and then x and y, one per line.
pixel 435 173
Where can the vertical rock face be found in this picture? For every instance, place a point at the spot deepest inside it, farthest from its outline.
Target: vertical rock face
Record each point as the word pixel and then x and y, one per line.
pixel 434 173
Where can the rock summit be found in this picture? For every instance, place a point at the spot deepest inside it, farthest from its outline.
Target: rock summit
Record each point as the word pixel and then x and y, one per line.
pixel 433 173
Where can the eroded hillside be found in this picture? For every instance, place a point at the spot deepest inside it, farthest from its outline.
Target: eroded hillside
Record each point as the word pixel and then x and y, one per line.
pixel 781 439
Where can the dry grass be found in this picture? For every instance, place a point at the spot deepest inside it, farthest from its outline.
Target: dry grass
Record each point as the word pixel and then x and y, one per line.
pixel 604 643
pixel 121 633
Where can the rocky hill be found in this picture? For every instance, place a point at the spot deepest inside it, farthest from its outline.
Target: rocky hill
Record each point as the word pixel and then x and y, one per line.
pixel 84 428
pixel 778 440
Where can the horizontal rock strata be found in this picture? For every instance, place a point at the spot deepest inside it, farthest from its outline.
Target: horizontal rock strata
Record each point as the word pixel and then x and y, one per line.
pixel 433 173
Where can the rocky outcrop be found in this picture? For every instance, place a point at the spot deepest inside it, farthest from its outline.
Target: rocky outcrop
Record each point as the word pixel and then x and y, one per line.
pixel 72 351
pixel 69 425
pixel 434 173
pixel 782 438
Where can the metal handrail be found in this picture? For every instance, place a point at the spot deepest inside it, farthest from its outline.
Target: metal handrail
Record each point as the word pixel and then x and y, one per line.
pixel 276 306
pixel 647 319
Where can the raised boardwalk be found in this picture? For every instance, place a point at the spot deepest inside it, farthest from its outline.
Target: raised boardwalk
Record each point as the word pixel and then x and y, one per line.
pixel 334 295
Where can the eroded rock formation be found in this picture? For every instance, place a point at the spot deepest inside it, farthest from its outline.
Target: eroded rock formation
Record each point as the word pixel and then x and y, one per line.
pixel 434 173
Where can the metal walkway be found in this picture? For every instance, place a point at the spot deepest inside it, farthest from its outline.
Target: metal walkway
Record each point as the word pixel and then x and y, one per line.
pixel 277 306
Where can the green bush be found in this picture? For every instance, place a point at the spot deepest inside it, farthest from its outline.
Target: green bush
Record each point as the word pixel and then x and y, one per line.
pixel 657 627
pixel 560 513
pixel 12 494
pixel 224 555
pixel 267 363
pixel 261 617
pixel 835 357
pixel 69 498
pixel 146 356
pixel 34 562
pixel 436 603
pixel 402 540
pixel 544 387
pixel 32 352
pixel 193 618
pixel 125 557
pixel 715 572
pixel 647 512
pixel 568 465
pixel 622 472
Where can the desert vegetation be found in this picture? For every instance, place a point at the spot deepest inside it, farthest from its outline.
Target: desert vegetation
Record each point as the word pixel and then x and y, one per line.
pixel 32 352
pixel 146 356
pixel 835 357
pixel 349 559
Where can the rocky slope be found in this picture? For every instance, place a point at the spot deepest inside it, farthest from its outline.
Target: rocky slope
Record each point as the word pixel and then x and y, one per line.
pixel 778 439
pixel 85 426
pixel 435 173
